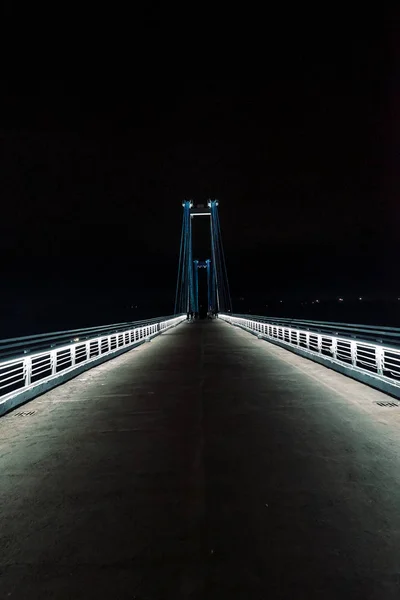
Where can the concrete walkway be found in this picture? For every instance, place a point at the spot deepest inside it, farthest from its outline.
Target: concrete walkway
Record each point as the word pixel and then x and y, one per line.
pixel 205 464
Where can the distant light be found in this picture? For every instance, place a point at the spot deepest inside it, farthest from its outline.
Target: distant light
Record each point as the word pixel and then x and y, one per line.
pixel 317 301
pixel 76 339
pixel 281 301
pixel 360 298
pixel 340 299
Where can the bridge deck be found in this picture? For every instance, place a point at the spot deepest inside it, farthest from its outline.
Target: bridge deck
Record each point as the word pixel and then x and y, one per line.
pixel 206 464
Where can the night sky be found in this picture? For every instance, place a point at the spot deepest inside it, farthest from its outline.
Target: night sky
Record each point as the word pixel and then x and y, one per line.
pixel 302 155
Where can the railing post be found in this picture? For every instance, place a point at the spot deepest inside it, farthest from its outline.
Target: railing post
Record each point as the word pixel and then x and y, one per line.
pixel 73 355
pixel 379 354
pixel 53 361
pixel 28 370
pixel 87 348
pixel 319 343
pixel 308 340
pixel 353 353
pixel 334 348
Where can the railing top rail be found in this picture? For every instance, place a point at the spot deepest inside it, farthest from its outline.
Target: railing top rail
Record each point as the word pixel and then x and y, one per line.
pixel 14 346
pixel 367 332
pixel 328 323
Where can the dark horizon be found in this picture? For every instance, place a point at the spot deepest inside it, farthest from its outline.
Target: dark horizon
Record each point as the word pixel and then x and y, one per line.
pixel 303 161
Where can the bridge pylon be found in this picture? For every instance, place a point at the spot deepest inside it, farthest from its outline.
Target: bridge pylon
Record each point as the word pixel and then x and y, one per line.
pixel 187 289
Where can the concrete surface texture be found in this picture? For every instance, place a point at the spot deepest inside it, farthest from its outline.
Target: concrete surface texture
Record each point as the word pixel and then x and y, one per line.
pixel 205 464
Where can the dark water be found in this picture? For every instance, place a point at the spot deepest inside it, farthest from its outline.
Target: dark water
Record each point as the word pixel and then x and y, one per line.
pixel 30 315
pixel 30 304
pixel 377 312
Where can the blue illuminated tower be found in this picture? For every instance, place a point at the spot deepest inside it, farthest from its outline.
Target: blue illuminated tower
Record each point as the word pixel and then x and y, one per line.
pixel 187 289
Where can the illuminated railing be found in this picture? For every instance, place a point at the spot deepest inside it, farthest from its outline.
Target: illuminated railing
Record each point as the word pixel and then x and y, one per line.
pixel 369 354
pixel 31 365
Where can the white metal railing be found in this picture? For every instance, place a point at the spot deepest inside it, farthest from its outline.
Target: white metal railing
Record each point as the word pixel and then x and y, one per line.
pixel 26 372
pixel 375 360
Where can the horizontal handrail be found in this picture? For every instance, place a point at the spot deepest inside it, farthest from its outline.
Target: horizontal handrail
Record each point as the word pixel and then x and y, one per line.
pixel 28 344
pixel 351 351
pixel 381 334
pixel 53 358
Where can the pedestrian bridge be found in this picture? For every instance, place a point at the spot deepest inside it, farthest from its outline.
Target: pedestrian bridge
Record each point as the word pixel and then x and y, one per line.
pixel 174 459
pixel 241 457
